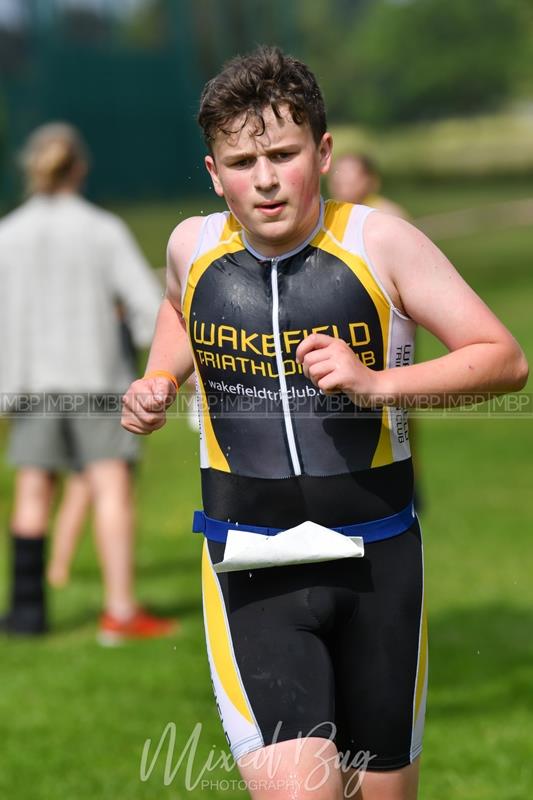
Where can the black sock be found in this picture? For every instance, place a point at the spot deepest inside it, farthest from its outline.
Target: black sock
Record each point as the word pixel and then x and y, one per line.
pixel 28 603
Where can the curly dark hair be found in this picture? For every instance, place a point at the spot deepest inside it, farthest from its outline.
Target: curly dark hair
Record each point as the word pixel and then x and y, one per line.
pixel 249 84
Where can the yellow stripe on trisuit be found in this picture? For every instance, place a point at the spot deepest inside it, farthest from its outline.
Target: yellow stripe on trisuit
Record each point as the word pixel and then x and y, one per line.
pixel 323 241
pixel 231 227
pixel 217 459
pixel 336 216
pixel 219 638
pixel 383 452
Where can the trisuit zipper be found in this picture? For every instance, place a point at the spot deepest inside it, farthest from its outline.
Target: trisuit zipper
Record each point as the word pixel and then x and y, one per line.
pixel 281 372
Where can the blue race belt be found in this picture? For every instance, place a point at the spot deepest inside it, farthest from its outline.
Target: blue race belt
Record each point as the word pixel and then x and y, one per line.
pixel 374 531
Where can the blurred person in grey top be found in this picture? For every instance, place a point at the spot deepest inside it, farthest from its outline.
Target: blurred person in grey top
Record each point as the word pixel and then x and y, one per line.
pixel 64 266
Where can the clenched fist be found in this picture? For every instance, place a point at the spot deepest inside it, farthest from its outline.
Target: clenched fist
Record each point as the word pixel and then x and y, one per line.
pixel 332 366
pixel 145 404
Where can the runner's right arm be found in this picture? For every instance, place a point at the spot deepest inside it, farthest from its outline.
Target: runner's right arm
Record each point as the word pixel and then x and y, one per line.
pixel 146 402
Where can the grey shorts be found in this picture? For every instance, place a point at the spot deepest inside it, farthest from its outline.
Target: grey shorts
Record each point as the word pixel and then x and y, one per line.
pixel 68 441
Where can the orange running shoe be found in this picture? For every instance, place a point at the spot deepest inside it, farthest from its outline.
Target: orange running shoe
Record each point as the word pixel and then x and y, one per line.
pixel 141 625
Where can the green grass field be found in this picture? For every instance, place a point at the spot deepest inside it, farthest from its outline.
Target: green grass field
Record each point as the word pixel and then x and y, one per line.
pixel 74 717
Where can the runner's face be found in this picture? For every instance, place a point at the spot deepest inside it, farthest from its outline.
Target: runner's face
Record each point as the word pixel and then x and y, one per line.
pixel 271 182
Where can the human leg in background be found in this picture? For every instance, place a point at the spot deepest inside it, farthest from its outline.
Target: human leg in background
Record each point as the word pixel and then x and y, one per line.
pixel 111 488
pixel 68 526
pixel 34 489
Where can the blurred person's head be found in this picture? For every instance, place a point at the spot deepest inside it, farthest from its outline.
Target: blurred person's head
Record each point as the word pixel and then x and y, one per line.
pixel 54 159
pixel 353 178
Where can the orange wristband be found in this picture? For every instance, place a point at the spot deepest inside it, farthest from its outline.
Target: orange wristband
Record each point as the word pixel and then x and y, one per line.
pixel 162 373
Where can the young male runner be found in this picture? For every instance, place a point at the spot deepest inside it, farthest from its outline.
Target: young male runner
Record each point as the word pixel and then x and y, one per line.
pixel 304 313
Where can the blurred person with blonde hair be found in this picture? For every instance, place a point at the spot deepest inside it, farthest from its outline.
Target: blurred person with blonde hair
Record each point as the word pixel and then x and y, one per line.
pixel 355 178
pixel 64 266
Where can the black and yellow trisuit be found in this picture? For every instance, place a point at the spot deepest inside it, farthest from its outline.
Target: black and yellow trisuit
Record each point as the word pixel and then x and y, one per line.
pixel 276 452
